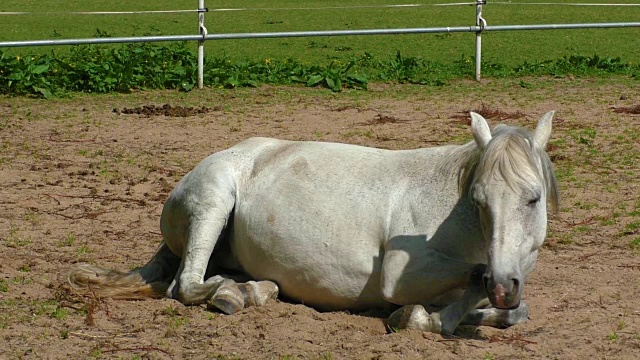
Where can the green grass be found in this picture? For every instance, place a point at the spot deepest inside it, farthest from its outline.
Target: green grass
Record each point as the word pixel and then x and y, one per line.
pixel 332 62
pixel 508 48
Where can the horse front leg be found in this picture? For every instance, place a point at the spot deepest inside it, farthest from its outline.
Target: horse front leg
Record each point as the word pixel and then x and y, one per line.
pixel 414 276
pixel 499 318
pixel 446 320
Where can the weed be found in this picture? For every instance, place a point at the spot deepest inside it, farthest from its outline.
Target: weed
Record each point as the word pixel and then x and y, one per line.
pixel 633 134
pixel 488 356
pixel 31 217
pixel 3 286
pixel 96 353
pixel 170 311
pixel 613 336
pixel 96 69
pixel 566 172
pixel 582 228
pixel 22 280
pixel 566 239
pixel 39 308
pixel 14 240
pixel 59 313
pixel 523 84
pixel 69 240
pixel 335 76
pixel 633 227
pixel 24 268
pixel 178 321
pixel 394 329
pixel 64 334
pixel 607 221
pixel 83 249
pixel 634 244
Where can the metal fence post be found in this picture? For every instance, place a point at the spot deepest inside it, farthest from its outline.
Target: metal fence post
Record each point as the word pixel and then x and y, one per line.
pixel 203 32
pixel 480 24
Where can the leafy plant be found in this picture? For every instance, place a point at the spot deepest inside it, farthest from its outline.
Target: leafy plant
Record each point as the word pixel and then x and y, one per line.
pixel 335 76
pixel 103 69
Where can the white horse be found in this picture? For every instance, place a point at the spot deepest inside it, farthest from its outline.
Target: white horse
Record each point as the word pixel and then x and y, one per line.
pixel 339 226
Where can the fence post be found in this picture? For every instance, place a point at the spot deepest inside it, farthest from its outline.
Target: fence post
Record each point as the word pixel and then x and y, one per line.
pixel 202 31
pixel 480 23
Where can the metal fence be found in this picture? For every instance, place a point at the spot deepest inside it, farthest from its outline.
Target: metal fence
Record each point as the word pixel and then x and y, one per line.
pixel 202 36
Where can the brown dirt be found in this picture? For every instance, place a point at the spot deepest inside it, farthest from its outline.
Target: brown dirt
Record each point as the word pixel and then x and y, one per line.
pixel 166 110
pixel 82 183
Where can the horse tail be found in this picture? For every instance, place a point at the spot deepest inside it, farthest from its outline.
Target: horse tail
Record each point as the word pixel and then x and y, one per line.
pixel 149 281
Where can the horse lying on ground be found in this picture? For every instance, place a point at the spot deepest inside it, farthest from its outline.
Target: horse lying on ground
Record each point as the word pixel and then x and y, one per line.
pixel 339 226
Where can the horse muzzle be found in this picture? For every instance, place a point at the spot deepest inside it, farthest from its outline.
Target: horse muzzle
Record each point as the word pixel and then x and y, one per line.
pixel 503 292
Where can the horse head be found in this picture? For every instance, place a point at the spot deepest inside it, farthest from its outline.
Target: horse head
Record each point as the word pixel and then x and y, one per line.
pixel 511 180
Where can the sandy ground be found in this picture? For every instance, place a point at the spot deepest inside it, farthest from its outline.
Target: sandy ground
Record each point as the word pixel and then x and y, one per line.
pixel 84 180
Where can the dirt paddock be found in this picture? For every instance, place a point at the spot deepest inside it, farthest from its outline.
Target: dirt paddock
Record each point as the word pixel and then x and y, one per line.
pixel 84 180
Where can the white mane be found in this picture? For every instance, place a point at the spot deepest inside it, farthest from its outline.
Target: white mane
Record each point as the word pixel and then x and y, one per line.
pixel 510 155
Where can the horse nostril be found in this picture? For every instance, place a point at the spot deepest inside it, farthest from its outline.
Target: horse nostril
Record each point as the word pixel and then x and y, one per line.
pixel 516 285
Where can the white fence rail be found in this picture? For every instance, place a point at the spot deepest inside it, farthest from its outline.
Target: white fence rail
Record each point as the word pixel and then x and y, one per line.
pixel 202 36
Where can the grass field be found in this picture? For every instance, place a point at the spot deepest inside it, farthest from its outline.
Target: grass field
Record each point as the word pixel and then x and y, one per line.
pixel 508 48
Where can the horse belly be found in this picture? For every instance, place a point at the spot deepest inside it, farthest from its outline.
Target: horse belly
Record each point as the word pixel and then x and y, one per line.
pixel 323 273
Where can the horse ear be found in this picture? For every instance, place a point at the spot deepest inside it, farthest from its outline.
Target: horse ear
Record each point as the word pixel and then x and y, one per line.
pixel 480 130
pixel 543 130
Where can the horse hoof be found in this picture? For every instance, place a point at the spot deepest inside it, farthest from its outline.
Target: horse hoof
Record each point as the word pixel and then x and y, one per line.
pixel 413 317
pixel 258 293
pixel 227 299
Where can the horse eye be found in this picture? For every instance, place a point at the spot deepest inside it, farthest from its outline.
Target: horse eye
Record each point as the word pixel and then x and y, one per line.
pixel 532 202
pixel 478 203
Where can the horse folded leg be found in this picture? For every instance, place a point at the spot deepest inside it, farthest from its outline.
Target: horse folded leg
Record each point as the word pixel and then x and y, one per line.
pixel 414 317
pixel 499 318
pixel 452 315
pixel 258 293
pixel 228 298
pixel 231 297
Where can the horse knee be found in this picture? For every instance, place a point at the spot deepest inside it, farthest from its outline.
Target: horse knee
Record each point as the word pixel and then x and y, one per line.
pixel 393 293
pixel 388 294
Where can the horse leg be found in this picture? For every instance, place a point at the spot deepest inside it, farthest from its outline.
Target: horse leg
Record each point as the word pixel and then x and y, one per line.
pixel 192 222
pixel 454 313
pixel 500 318
pixel 414 275
pixel 446 320
pixel 231 297
pixel 257 293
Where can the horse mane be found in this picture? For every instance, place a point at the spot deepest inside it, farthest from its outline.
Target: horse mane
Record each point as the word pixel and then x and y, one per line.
pixel 511 155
